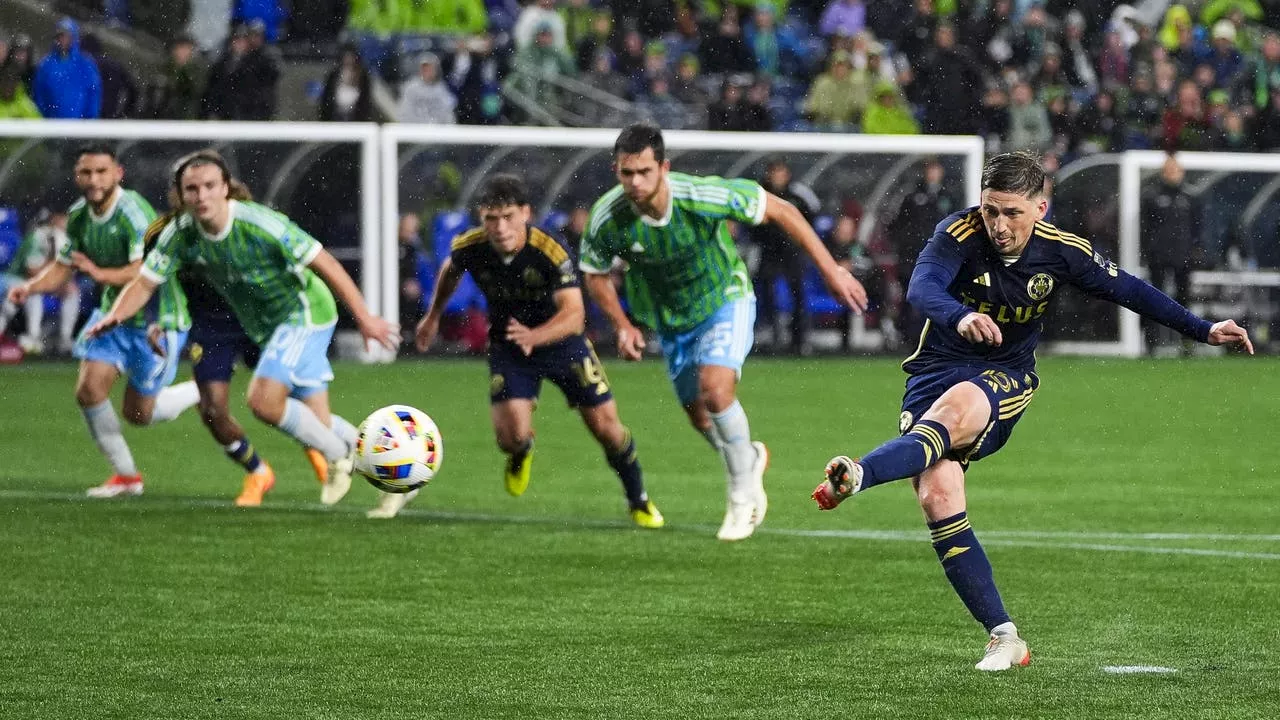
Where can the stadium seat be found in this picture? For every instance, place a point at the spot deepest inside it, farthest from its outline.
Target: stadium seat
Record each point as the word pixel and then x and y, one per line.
pixel 444 227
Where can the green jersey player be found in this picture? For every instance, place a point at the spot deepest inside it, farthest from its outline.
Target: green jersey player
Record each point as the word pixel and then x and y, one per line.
pixel 686 281
pixel 105 230
pixel 278 281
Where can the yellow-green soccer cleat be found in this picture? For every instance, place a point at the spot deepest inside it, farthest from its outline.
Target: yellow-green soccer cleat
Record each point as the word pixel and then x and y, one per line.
pixel 516 474
pixel 647 516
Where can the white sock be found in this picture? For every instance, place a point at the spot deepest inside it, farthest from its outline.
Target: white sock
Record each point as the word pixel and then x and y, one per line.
pixel 173 400
pixel 344 430
pixel 35 315
pixel 67 316
pixel 303 425
pixel 739 455
pixel 104 426
pixel 712 438
pixel 1005 629
pixel 7 311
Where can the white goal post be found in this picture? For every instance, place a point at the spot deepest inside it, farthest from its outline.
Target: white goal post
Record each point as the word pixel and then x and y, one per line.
pixel 911 147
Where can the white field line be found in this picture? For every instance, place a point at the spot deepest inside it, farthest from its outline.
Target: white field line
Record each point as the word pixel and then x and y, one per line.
pixel 1000 538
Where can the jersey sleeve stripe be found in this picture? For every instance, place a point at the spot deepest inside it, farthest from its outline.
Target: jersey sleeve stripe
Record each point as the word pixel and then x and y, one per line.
pixel 548 246
pixel 590 269
pixel 761 205
pixel 152 275
pixel 467 239
pixel 1049 232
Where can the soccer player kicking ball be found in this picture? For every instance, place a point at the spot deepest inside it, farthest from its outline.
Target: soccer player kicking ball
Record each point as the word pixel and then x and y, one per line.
pixel 983 281
pixel 106 228
pixel 277 279
pixel 216 341
pixel 685 280
pixel 536 317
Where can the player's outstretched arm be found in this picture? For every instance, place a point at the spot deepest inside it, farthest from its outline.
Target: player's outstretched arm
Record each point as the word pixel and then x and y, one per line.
pixel 54 276
pixel 446 284
pixel 132 299
pixel 111 277
pixel 570 319
pixel 605 295
pixel 1228 332
pixel 371 326
pixel 843 285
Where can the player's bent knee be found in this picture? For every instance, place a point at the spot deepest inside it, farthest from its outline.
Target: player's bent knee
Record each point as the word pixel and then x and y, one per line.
pixel 87 396
pixel 136 415
pixel 265 409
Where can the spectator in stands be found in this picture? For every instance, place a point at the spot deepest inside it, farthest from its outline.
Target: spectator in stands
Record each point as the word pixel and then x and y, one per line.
pixel 264 74
pixel 1171 232
pixel 655 66
pixel 600 75
pixel 22 60
pixel 230 79
pixel 1263 75
pixel 912 227
pixel 1235 136
pixel 1099 127
pixel 446 17
pixel 651 18
pixel 888 114
pixel 269 14
pixel 994 118
pixel 777 50
pixel 426 98
pixel 917 34
pixel 780 258
pixel 1142 111
pixel 725 50
pixel 686 37
pixel 1061 123
pixel 629 61
pixel 1186 125
pixel 687 87
pixel 348 90
pixel 1113 61
pixel 538 65
pixel 37 251
pixel 599 37
pixel 837 97
pixel 949 89
pixel 730 111
pixel 119 89
pixel 67 84
pixel 578 17
pixel 14 103
pixel 759 115
pixel 1049 78
pixel 1266 130
pixel 410 247
pixel 538 17
pixel 475 74
pixel 660 106
pixel 1226 60
pixel 1076 59
pixel 1029 127
pixel 843 17
pixel 175 93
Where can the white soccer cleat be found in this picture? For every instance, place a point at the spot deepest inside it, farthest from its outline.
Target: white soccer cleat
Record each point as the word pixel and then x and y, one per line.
pixel 1003 652
pixel 737 523
pixel 117 486
pixel 390 505
pixel 339 481
pixel 757 474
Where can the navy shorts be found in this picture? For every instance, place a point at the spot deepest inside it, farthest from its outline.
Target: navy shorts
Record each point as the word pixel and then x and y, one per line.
pixel 572 365
pixel 1009 393
pixel 215 345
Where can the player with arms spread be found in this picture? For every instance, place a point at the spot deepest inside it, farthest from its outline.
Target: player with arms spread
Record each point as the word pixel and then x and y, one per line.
pixel 983 282
pixel 105 228
pixel 277 279
pixel 686 281
pixel 536 324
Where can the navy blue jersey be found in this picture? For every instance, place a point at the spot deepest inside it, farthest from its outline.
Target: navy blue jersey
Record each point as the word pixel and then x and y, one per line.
pixel 959 272
pixel 522 286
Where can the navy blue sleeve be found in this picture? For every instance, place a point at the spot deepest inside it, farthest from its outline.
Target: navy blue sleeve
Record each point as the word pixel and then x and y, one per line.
pixel 936 268
pixel 1101 278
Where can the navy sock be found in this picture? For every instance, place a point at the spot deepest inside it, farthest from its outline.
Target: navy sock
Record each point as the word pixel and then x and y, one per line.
pixel 242 453
pixel 624 463
pixel 925 443
pixel 968 569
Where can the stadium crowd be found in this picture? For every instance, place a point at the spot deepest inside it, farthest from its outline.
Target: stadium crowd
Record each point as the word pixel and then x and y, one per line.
pixel 1066 78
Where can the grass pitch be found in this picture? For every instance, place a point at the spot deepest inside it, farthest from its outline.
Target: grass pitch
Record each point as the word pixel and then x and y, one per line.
pixel 1130 521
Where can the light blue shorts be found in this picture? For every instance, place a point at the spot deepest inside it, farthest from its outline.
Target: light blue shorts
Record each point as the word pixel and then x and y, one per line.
pixel 127 349
pixel 298 357
pixel 723 339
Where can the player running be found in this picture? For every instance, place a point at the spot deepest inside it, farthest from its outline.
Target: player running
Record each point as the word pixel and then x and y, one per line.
pixel 216 340
pixel 983 282
pixel 105 229
pixel 686 281
pixel 278 281
pixel 536 331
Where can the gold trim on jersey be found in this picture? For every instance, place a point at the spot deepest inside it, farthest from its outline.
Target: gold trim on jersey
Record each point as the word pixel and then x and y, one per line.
pixel 920 346
pixel 548 246
pixel 157 226
pixel 1012 406
pixel 467 239
pixel 964 227
pixel 1049 232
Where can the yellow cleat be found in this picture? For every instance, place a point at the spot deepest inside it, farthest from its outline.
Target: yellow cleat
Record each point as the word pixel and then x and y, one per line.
pixel 319 465
pixel 516 474
pixel 647 516
pixel 256 484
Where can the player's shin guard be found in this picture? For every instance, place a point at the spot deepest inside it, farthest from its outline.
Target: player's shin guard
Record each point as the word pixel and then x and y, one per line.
pixel 739 455
pixel 302 425
pixel 173 400
pixel 968 569
pixel 104 425
pixel 925 443
pixel 627 466
pixel 243 454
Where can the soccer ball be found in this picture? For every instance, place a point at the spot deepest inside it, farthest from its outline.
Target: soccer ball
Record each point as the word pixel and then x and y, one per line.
pixel 399 449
